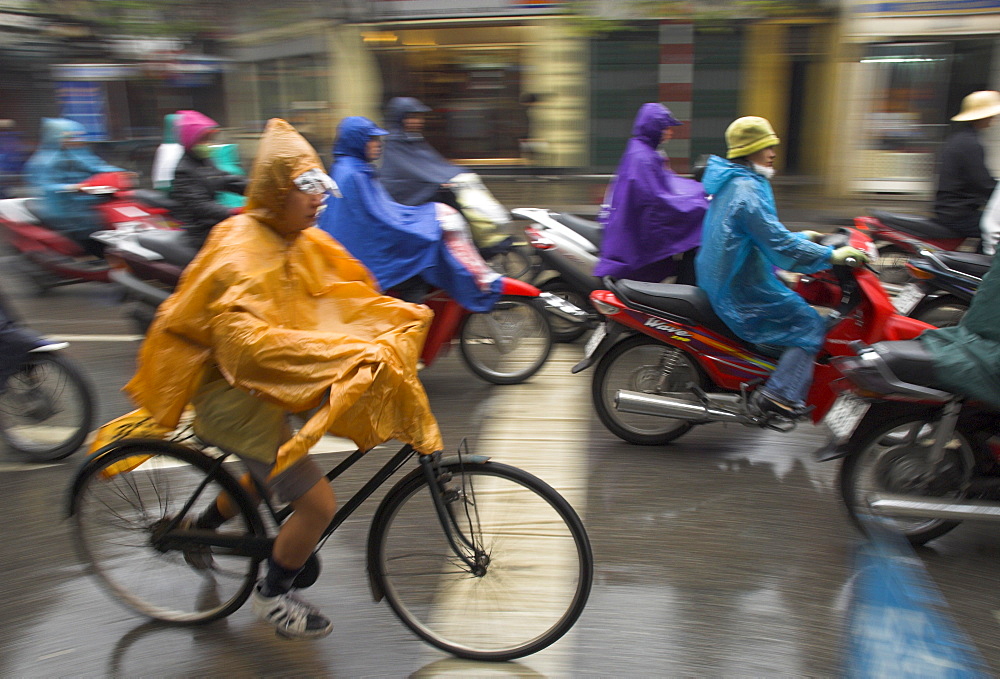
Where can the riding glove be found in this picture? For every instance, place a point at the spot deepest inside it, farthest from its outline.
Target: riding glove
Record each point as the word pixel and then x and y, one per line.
pixel 841 254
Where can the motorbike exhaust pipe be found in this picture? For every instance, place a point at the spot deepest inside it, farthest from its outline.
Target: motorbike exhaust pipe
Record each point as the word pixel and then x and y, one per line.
pixel 679 408
pixel 904 506
pixel 563 308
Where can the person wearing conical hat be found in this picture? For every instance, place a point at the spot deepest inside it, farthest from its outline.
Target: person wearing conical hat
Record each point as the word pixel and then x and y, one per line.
pixel 964 183
pixel 275 317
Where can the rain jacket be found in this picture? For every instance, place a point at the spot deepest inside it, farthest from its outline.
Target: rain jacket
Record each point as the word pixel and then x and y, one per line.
pixel 967 356
pixel 652 214
pixel 742 242
pixel 54 169
pixel 167 154
pixel 297 323
pixel 396 242
pixel 412 170
pixel 197 182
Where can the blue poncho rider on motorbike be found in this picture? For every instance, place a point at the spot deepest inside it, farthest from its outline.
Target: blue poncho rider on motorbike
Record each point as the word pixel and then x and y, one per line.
pixel 742 243
pixel 56 171
pixel 403 246
pixel 651 214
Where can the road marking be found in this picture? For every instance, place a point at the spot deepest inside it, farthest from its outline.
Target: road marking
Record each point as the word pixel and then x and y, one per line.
pixel 96 338
pixel 554 401
pixel 24 466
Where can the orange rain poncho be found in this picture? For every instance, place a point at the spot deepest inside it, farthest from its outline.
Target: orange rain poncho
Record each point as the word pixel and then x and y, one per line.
pixel 299 324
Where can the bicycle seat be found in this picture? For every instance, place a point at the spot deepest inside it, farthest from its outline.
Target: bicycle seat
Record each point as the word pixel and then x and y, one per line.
pixel 168 243
pixel 592 231
pixel 915 226
pixel 967 262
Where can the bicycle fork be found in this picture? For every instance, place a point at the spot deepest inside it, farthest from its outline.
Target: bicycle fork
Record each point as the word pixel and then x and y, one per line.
pixel 446 494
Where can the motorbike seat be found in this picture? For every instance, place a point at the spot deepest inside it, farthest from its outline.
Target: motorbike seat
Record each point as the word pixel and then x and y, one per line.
pixel 155 198
pixel 910 361
pixel 915 226
pixel 967 262
pixel 168 243
pixel 592 231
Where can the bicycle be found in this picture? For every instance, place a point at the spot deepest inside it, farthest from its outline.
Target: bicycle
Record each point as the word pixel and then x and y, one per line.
pixel 477 558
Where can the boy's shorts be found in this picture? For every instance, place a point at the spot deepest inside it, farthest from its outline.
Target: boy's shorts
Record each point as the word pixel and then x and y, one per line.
pixel 290 484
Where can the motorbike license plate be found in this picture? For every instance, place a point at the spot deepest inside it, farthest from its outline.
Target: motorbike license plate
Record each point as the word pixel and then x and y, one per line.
pixel 595 340
pixel 907 298
pixel 844 415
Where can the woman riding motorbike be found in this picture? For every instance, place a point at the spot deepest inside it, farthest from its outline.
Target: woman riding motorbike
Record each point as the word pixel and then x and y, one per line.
pixel 56 170
pixel 414 173
pixel 404 246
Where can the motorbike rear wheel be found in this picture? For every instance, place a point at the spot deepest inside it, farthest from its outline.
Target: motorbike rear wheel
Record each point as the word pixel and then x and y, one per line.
pixel 942 312
pixel 47 409
pixel 893 459
pixel 562 329
pixel 642 364
pixel 509 343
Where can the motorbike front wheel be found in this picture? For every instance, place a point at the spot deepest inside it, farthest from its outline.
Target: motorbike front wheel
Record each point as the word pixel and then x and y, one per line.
pixel 509 343
pixel 642 364
pixel 47 408
pixel 895 459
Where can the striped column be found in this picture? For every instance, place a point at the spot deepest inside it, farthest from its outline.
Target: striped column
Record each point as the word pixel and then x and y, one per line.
pixel 676 78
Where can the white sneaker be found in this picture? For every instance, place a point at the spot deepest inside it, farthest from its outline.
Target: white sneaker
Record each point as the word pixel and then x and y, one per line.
pixel 291 617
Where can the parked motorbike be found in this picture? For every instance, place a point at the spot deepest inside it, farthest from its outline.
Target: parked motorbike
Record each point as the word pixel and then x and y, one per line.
pixel 46 404
pixel 666 362
pixel 900 237
pixel 941 286
pixel 506 345
pixel 912 451
pixel 567 249
pixel 49 258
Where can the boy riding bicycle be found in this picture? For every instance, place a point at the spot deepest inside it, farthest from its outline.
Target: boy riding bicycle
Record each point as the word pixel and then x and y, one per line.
pixel 274 317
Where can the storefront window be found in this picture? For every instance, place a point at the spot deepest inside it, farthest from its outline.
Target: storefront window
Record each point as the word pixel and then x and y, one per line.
pixel 906 117
pixel 471 78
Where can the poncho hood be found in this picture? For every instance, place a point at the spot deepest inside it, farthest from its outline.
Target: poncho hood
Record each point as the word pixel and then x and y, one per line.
pixel 55 130
pixel 353 134
pixel 650 122
pixel 192 126
pixel 720 171
pixel 282 156
pixel 399 108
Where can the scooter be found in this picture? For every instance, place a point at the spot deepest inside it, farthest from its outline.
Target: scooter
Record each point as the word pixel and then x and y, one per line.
pixel 49 258
pixel 506 345
pixel 912 451
pixel 941 286
pixel 666 362
pixel 900 237
pixel 567 248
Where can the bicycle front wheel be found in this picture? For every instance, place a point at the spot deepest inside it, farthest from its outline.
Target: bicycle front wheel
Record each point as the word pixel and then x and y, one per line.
pixel 532 571
pixel 124 503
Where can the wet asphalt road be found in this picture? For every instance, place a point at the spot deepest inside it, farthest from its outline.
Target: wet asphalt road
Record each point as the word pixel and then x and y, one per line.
pixel 724 554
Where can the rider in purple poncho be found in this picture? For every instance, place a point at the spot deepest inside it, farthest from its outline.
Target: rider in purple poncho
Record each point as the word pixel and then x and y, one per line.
pixel 652 213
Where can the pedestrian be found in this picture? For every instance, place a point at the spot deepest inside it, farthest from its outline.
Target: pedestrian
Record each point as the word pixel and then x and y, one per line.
pixel 652 216
pixel 742 243
pixel 274 317
pixel 964 184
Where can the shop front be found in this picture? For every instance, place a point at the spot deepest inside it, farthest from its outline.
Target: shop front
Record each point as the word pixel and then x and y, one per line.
pixel 909 66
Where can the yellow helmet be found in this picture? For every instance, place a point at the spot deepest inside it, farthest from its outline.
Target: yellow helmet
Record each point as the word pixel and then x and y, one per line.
pixel 747 135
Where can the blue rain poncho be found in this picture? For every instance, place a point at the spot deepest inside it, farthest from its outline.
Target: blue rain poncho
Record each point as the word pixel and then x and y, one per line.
pixel 742 242
pixel 396 242
pixel 54 169
pixel 652 213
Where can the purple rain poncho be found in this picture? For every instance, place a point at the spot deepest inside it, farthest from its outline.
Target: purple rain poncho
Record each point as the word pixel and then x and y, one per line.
pixel 653 214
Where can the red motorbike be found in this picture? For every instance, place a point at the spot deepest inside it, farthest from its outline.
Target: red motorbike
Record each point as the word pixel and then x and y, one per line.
pixel 50 258
pixel 666 361
pixel 900 237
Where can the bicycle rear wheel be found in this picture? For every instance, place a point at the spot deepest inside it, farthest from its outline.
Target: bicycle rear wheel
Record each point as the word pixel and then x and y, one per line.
pixel 124 502
pixel 534 562
pixel 47 409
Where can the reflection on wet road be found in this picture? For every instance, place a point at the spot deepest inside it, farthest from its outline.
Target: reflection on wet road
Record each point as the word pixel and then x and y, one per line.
pixel 725 553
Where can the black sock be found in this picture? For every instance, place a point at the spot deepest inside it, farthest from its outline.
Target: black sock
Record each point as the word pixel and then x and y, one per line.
pixel 278 579
pixel 211 518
